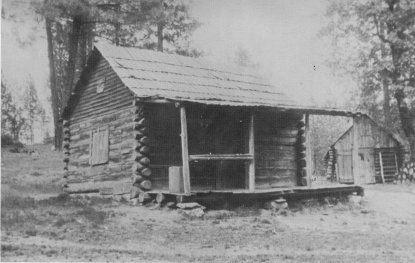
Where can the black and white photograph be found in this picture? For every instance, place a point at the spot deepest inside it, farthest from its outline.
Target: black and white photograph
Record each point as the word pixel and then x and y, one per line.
pixel 207 131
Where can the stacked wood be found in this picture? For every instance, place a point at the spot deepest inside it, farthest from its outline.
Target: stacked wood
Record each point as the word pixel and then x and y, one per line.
pixel 66 147
pixel 301 154
pixel 330 164
pixel 406 173
pixel 141 167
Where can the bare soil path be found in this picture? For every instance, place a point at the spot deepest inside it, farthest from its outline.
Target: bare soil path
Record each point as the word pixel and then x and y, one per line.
pixel 52 227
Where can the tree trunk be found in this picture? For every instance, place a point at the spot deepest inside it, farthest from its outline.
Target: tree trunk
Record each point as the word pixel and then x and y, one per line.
pixel 412 145
pixel 386 102
pixel 53 87
pixel 385 83
pixel 407 117
pixel 85 44
pixel 72 56
pixel 160 26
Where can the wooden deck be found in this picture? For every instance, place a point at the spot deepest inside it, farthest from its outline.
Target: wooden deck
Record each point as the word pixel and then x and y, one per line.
pixel 262 194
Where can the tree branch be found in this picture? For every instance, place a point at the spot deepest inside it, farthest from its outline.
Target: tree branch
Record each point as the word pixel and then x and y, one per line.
pixel 378 34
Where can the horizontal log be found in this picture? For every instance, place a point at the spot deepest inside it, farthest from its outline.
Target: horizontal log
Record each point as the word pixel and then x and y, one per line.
pixel 146 185
pixel 121 96
pixel 144 140
pixel 300 124
pixel 275 155
pixel 144 197
pixel 145 161
pixel 137 156
pixel 136 179
pixel 220 157
pixel 144 150
pixel 90 187
pixel 114 116
pixel 139 110
pixel 137 167
pixel 302 162
pixel 276 172
pixel 106 108
pixel 278 141
pixel 160 198
pixel 135 192
pixel 146 171
pixel 287 132
pixel 140 133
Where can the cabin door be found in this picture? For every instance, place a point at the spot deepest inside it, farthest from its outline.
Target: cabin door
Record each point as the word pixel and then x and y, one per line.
pixel 366 166
pixel 344 167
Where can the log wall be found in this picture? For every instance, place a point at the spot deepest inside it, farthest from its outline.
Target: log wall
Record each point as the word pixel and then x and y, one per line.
pixel 113 108
pixel 276 139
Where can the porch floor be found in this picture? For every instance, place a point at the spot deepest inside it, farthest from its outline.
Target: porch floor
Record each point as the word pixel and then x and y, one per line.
pixel 298 192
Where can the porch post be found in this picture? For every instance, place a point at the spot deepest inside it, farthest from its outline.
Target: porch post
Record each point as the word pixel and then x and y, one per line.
pixel 355 151
pixel 309 169
pixel 251 173
pixel 185 151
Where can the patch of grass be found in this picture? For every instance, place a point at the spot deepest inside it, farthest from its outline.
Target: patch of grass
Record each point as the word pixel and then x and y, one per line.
pixel 245 211
pixel 17 202
pixel 94 216
pixel 62 221
pixel 11 218
pixel 35 174
pixel 7 248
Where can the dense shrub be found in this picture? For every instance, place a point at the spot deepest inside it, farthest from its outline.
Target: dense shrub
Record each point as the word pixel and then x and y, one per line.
pixel 6 140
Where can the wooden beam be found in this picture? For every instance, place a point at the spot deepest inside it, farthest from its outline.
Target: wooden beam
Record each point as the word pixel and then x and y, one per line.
pixel 308 149
pixel 185 151
pixel 220 157
pixel 396 163
pixel 251 169
pixel 355 151
pixel 382 175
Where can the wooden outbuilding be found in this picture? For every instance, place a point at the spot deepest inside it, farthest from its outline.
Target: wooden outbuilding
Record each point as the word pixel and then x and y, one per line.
pixel 379 154
pixel 150 123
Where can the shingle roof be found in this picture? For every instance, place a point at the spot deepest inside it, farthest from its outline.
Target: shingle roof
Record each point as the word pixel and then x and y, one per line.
pixel 151 74
pixel 156 75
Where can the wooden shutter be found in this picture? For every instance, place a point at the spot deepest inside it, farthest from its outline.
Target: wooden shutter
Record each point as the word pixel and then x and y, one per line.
pixel 103 146
pixel 99 146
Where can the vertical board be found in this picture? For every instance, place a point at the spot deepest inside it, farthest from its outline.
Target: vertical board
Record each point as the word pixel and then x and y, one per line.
pixel 308 149
pixel 366 166
pixel 185 151
pixel 251 143
pixel 345 174
pixel 99 146
pixel 355 151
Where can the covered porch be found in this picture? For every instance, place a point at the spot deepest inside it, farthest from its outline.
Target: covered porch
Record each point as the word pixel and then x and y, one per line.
pixel 255 153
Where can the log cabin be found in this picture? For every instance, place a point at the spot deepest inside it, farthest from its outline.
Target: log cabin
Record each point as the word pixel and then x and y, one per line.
pixel 379 153
pixel 146 122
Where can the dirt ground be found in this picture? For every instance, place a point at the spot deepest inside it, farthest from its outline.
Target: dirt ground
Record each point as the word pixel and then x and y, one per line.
pixel 39 224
